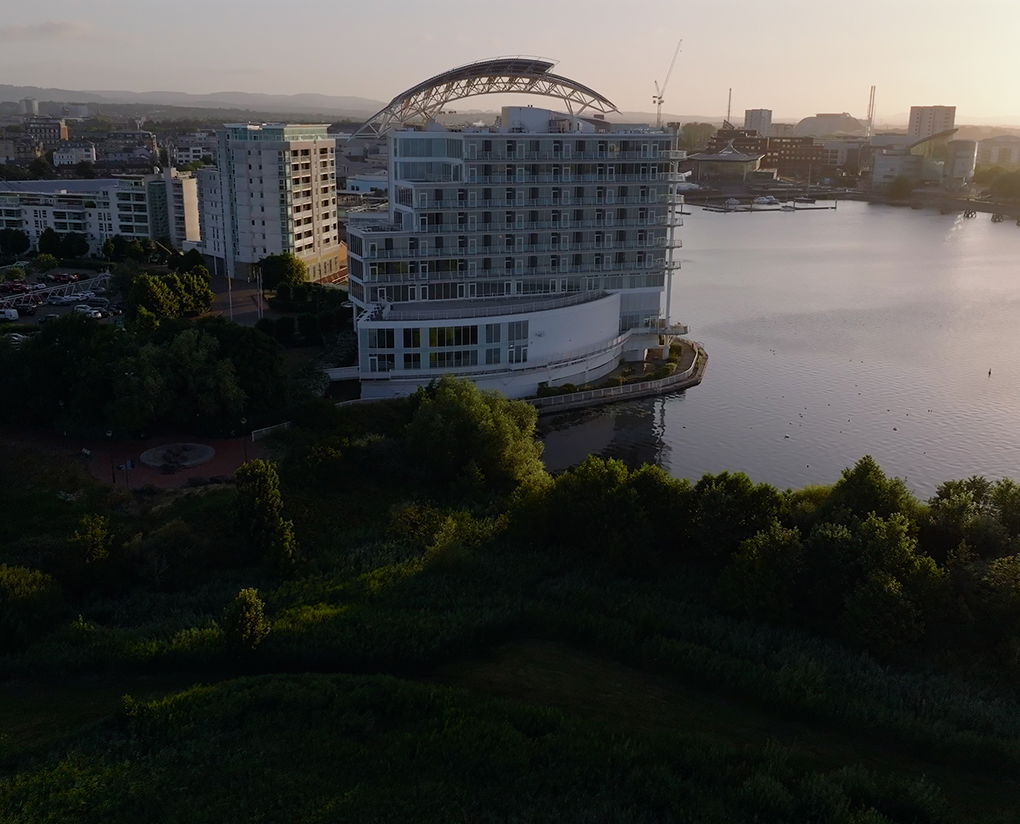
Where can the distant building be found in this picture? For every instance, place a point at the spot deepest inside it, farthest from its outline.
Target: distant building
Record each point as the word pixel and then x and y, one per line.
pixel 133 208
pixel 782 130
pixel 71 154
pixel 30 106
pixel 47 130
pixel 790 156
pixel 760 120
pixel 926 121
pixel 20 150
pixel 128 148
pixel 887 165
pixel 960 163
pixel 274 191
pixel 829 124
pixel 1003 150
pixel 193 148
pixel 78 111
pixel 367 184
pixel 728 165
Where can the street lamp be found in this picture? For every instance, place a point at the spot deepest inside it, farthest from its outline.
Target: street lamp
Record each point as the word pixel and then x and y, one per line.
pixel 109 452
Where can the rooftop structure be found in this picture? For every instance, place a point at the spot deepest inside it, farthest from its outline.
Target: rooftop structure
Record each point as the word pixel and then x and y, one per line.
pixel 536 251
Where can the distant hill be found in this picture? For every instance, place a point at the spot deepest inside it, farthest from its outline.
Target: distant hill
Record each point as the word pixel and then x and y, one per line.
pixel 298 103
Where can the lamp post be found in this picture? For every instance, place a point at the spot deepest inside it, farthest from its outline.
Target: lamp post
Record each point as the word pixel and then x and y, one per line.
pixel 109 452
pixel 244 437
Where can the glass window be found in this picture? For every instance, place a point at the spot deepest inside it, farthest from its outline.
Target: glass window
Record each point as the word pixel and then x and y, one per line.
pixel 412 338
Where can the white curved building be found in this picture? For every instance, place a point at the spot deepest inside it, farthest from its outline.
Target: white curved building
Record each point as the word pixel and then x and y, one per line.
pixel 538 251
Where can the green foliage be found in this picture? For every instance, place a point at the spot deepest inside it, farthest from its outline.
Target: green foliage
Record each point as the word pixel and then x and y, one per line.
pixel 44 261
pixel 91 540
pixel 260 515
pixel 187 262
pixel 695 136
pixel 879 616
pixel 762 578
pixel 469 441
pixel 173 295
pixel 14 241
pixel 244 621
pixel 30 603
pixel 74 245
pixel 283 268
pixel 49 242
pixel 863 489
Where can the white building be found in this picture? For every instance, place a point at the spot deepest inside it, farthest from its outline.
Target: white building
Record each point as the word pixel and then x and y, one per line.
pixel 537 251
pixel 71 154
pixel 192 148
pixel 134 208
pixel 928 120
pixel 1003 150
pixel 365 184
pixel 960 163
pixel 273 191
pixel 760 120
pixel 30 106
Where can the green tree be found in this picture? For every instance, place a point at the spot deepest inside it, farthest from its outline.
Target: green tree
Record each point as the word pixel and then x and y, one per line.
pixel 14 242
pixel 900 188
pixel 880 617
pixel 135 251
pixel 74 245
pixel 260 511
pixel 864 488
pixel 40 169
pixel 308 326
pixel 49 242
pixel 44 262
pixel 30 603
pixel 729 508
pixel 465 439
pixel 695 136
pixel 85 169
pixel 188 261
pixel 283 268
pixel 244 621
pixel 92 539
pixel 763 579
pixel 152 293
pixel 284 329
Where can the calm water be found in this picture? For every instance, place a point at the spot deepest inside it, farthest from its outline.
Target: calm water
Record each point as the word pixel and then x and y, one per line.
pixel 834 334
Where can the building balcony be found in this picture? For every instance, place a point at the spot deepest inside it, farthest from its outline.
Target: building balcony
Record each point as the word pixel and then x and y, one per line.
pixel 555 203
pixel 526 179
pixel 562 156
pixel 540 273
pixel 477 227
pixel 454 253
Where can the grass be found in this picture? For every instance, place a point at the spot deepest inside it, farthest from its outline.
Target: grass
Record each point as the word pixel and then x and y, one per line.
pixel 630 701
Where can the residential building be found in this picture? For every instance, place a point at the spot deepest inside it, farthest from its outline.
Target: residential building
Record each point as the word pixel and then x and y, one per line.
pixel 887 165
pixel 20 150
pixel 49 131
pixel 535 251
pixel 1002 150
pixel 926 121
pixel 760 120
pixel 72 153
pixel 961 160
pixel 800 157
pixel 193 148
pixel 128 148
pixel 30 106
pixel 173 199
pixel 135 208
pixel 366 184
pixel 276 193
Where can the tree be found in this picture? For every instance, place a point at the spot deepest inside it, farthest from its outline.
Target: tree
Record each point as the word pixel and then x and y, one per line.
pixel 74 245
pixel 880 617
pixel 284 329
pixel 694 136
pixel 152 293
pixel 40 169
pixel 188 261
pixel 762 580
pixel 49 242
pixel 463 438
pixel 260 514
pixel 244 621
pixel 44 262
pixel 308 326
pixel 284 268
pixel 85 169
pixel 900 188
pixel 136 251
pixel 864 488
pixel 92 539
pixel 30 603
pixel 14 242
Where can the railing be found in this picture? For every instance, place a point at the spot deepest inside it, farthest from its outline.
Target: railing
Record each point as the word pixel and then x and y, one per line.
pixel 35 296
pixel 609 268
pixel 494 250
pixel 477 226
pixel 526 177
pixel 525 203
pixel 560 156
pixel 507 307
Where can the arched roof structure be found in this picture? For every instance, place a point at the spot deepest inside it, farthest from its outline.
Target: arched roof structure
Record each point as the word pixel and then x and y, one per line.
pixel 500 75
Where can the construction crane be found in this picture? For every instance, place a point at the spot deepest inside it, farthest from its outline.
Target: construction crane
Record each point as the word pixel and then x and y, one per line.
pixel 658 98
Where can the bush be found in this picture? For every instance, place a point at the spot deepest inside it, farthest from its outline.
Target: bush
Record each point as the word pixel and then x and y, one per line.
pixel 30 604
pixel 244 621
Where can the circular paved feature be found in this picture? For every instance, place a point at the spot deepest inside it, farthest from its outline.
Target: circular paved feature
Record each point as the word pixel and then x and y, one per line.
pixel 178 455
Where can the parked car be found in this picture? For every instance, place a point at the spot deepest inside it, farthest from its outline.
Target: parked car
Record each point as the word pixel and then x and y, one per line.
pixel 48 318
pixel 8 314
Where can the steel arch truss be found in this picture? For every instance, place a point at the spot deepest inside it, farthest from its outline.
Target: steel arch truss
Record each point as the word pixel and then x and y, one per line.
pixel 499 76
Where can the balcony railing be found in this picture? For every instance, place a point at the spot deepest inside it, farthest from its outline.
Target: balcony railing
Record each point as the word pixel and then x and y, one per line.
pixel 564 155
pixel 524 249
pixel 526 178
pixel 563 224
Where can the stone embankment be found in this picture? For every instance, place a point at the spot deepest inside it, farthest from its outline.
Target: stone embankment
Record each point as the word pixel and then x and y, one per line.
pixel 695 357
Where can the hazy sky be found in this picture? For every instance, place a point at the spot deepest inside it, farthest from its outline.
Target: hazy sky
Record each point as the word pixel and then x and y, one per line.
pixel 796 57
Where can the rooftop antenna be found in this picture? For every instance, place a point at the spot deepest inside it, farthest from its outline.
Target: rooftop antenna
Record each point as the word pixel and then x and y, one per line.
pixel 871 112
pixel 658 98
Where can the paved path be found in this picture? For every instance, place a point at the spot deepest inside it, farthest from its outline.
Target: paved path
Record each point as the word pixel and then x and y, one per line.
pixel 107 460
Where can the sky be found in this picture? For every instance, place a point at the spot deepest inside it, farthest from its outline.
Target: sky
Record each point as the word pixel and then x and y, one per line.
pixel 796 57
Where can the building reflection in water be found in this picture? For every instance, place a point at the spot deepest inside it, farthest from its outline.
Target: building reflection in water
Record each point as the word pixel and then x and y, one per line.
pixel 632 431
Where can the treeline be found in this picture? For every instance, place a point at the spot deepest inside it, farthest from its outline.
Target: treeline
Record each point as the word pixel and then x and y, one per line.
pixel 202 376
